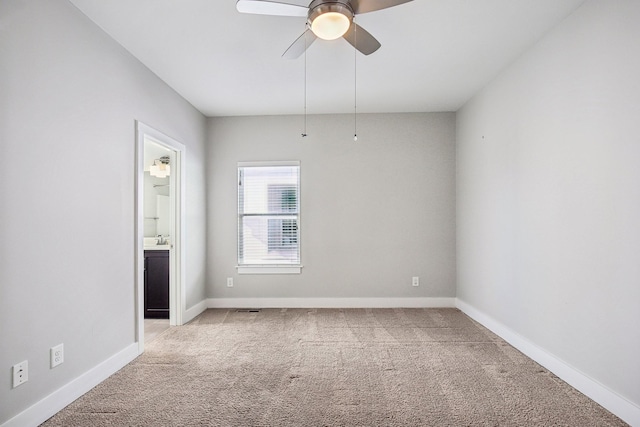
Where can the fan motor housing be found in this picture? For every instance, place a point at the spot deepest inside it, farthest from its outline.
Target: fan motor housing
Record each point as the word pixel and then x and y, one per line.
pixel 319 7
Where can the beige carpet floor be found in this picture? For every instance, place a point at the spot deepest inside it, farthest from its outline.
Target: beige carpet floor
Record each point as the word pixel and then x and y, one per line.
pixel 332 367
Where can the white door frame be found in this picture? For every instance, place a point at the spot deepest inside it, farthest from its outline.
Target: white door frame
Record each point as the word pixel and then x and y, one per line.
pixel 177 254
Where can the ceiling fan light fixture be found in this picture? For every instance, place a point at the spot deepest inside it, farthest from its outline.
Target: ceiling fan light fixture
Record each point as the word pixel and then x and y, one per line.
pixel 330 21
pixel 330 25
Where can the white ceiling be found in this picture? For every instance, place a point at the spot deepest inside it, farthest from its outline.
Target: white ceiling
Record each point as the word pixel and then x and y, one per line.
pixel 435 54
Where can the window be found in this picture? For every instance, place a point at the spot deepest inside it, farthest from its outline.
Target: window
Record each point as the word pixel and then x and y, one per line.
pixel 268 217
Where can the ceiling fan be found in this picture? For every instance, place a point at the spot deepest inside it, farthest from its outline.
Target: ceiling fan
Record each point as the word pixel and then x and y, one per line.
pixel 326 19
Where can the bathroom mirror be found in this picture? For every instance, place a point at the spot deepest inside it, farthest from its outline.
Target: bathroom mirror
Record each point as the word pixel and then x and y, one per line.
pixel 156 193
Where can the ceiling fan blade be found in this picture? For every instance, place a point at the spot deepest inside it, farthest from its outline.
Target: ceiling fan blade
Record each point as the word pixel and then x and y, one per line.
pixel 364 6
pixel 301 44
pixel 259 7
pixel 360 38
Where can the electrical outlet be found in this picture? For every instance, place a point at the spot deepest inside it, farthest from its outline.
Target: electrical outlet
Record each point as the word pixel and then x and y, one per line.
pixel 415 281
pixel 57 355
pixel 20 373
pixel 229 282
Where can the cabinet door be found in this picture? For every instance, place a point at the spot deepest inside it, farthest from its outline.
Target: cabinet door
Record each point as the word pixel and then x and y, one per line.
pixel 156 284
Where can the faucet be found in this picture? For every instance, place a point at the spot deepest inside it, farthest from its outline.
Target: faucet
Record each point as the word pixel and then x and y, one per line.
pixel 161 240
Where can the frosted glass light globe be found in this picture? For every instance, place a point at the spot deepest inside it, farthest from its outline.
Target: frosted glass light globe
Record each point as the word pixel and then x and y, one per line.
pixel 330 25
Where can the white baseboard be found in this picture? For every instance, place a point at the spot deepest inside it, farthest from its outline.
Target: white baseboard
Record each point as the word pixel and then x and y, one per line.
pixel 330 302
pixel 616 404
pixel 194 311
pixel 56 401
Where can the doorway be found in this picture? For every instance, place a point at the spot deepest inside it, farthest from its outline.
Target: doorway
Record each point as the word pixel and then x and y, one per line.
pixel 159 231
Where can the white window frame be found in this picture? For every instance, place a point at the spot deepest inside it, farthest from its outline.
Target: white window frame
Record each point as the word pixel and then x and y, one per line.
pixel 269 268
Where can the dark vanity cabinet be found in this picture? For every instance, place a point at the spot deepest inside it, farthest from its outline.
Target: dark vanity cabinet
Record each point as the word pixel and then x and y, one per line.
pixel 156 284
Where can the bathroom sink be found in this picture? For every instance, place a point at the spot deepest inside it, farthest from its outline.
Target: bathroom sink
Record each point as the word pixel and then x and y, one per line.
pixel 156 247
pixel 151 244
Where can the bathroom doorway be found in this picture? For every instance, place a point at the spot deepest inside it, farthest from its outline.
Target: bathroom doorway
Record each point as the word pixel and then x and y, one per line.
pixel 159 232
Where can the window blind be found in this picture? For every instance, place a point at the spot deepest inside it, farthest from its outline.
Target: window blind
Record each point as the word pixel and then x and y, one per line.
pixel 268 214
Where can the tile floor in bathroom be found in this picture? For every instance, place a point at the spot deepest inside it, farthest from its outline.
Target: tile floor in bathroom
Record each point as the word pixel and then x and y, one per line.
pixel 153 327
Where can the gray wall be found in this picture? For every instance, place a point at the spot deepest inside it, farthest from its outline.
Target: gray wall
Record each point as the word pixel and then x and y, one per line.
pixel 69 98
pixel 549 197
pixel 374 213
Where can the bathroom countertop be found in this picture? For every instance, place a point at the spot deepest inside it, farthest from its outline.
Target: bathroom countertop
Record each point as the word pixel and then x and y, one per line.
pixel 157 247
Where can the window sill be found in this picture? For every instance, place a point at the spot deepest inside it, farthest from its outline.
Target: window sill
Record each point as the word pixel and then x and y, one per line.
pixel 269 269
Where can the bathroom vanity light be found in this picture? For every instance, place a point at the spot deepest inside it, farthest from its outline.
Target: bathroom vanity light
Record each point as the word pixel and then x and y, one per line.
pixel 160 167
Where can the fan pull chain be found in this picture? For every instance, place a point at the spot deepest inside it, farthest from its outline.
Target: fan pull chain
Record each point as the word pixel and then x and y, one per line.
pixel 304 132
pixel 355 81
